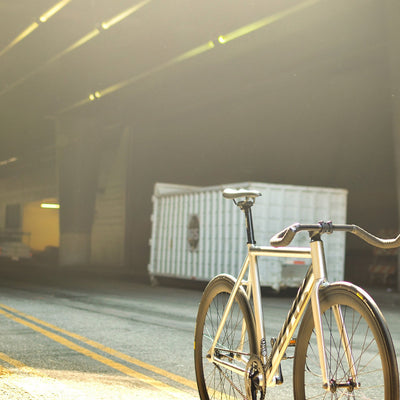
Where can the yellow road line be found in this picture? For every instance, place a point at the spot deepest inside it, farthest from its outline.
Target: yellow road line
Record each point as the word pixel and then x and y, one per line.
pixel 19 381
pixel 109 350
pixel 19 365
pixel 12 361
pixel 115 365
pixel 4 371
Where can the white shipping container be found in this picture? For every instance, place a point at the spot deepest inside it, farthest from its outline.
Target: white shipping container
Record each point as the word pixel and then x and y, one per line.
pixel 197 234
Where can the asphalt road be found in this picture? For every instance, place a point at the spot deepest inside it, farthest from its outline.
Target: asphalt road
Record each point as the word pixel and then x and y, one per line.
pixel 105 338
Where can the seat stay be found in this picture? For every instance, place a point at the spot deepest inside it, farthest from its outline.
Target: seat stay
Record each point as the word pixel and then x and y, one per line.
pixel 228 307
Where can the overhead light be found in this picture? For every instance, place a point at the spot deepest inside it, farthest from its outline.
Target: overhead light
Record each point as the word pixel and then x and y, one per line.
pixel 94 96
pixel 89 36
pixel 54 206
pixel 53 10
pixel 79 42
pixel 118 18
pixel 244 30
pixel 27 31
pixel 9 161
pixel 127 82
pixel 73 46
pixel 20 37
pixel 194 52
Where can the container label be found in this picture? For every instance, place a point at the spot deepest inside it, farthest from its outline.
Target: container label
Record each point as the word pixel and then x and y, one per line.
pixel 193 233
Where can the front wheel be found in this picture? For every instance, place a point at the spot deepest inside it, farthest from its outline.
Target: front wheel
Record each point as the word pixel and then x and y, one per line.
pixel 370 343
pixel 235 346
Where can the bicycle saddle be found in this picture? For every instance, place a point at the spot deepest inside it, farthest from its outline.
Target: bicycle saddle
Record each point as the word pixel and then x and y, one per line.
pixel 235 193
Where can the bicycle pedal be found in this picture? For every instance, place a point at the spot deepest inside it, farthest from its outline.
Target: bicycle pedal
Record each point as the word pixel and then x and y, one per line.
pixel 292 342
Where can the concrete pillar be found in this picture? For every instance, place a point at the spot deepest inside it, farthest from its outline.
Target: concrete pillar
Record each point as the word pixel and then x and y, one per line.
pixel 78 141
pixel 396 140
pixel 392 18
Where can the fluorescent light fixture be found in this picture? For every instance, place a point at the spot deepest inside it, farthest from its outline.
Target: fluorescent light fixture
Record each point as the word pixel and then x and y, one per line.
pixel 122 84
pixel 82 41
pixel 81 103
pixel 54 206
pixel 244 30
pixel 9 161
pixel 53 10
pixel 95 95
pixel 194 52
pixel 191 53
pixel 118 18
pixel 20 37
pixel 127 82
pixel 27 31
pixel 89 36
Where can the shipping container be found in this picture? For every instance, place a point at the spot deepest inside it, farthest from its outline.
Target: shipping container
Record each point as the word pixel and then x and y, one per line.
pixel 197 234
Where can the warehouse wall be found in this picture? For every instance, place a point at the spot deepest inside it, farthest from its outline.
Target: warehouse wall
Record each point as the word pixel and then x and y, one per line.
pixel 42 225
pixel 28 188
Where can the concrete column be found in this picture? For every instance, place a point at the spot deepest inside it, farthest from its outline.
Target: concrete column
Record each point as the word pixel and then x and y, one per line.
pixel 396 142
pixel 78 156
pixel 392 18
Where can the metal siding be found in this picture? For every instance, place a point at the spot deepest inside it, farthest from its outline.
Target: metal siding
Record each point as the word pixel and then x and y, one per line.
pixel 222 241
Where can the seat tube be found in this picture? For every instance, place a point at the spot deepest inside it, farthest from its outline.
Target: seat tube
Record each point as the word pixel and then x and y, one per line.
pixel 319 271
pixel 254 279
pixel 254 282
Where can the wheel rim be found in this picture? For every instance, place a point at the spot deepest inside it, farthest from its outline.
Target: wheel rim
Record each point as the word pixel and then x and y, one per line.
pixel 220 382
pixel 366 356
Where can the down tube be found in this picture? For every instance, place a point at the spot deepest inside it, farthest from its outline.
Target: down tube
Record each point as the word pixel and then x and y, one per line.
pixel 292 320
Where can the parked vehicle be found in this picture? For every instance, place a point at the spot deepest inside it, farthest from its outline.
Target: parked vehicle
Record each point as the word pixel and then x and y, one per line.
pixel 13 247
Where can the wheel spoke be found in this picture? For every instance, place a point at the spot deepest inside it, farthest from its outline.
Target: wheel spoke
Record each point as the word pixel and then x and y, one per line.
pixel 362 341
pixel 215 381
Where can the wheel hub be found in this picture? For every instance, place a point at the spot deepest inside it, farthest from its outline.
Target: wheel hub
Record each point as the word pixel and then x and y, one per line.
pixel 350 385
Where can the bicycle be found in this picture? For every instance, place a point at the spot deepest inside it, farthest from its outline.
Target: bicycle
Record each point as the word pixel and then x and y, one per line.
pixel 343 348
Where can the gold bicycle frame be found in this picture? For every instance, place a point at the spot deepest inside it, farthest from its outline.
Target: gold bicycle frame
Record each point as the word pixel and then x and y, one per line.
pixel 315 277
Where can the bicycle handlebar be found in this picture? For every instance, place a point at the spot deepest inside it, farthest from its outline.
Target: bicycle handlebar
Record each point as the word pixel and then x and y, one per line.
pixel 285 237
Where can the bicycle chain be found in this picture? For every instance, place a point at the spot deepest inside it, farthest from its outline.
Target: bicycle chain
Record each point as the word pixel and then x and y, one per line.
pixel 235 387
pixel 231 382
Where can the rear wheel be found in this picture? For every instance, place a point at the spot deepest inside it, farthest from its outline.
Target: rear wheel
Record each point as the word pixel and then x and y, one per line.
pixel 215 381
pixel 371 348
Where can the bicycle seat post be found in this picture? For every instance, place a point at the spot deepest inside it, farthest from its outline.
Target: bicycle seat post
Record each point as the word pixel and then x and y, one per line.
pixel 245 206
pixel 246 199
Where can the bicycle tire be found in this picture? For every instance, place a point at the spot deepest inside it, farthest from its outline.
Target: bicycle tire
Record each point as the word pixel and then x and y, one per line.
pixel 371 344
pixel 212 381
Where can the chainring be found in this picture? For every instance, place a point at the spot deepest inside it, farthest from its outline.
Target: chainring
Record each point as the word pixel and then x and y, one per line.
pixel 255 379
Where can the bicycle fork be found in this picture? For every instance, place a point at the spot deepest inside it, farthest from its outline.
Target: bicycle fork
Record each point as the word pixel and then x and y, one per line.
pixel 320 276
